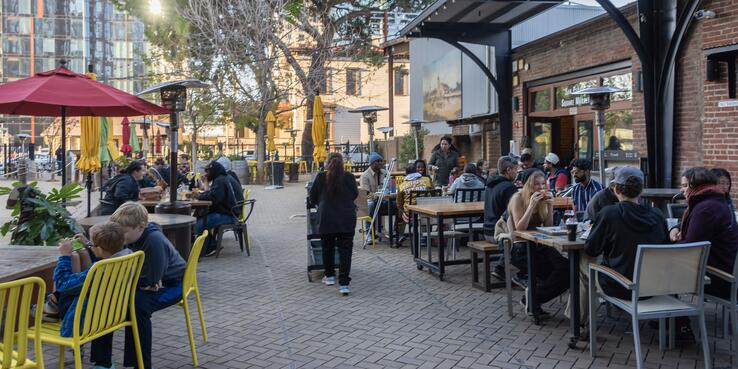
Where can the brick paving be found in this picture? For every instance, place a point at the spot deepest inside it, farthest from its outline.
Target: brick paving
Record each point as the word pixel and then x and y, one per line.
pixel 261 311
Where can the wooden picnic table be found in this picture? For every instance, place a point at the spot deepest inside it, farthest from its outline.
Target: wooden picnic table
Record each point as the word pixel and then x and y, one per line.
pixel 195 204
pixel 177 228
pixel 574 250
pixel 18 262
pixel 440 211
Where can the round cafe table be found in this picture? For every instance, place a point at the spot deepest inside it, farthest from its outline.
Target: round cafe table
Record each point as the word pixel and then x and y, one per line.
pixel 177 228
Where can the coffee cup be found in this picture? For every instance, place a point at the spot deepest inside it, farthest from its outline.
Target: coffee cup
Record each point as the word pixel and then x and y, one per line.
pixel 571 231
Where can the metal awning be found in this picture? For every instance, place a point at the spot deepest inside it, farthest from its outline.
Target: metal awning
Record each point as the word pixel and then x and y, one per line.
pixel 500 13
pixel 474 119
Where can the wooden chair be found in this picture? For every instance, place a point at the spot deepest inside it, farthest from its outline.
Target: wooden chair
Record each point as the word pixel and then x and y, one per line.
pixel 189 286
pixel 105 304
pixel 239 228
pixel 661 272
pixel 15 302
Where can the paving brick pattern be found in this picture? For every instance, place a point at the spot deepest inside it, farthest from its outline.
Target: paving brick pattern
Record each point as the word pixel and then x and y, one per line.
pixel 262 312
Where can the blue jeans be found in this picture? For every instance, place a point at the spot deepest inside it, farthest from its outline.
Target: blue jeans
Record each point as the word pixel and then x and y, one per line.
pixel 372 205
pixel 147 302
pixel 209 222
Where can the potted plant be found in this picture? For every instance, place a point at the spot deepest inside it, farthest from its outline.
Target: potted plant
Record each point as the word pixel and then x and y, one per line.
pixel 39 218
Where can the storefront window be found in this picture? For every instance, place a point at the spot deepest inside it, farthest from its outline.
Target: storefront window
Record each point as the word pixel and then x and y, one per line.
pixel 584 139
pixel 541 100
pixel 541 139
pixel 618 130
pixel 565 99
pixel 622 81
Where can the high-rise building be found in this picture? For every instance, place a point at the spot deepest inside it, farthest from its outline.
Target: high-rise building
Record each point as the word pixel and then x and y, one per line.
pixel 36 34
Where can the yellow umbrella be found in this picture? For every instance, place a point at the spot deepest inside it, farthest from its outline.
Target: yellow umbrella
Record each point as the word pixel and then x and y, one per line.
pixel 89 160
pixel 271 120
pixel 319 154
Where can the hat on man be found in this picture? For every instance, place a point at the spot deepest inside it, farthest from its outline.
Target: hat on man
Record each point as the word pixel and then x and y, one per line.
pixel 623 173
pixel 374 157
pixel 552 158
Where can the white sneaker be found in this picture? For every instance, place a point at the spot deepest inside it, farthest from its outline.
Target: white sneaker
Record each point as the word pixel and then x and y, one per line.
pixel 344 290
pixel 329 281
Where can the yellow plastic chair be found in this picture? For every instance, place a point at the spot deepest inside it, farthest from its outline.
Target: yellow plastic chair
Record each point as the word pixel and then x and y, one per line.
pixel 110 291
pixel 398 181
pixel 303 167
pixel 363 215
pixel 189 285
pixel 347 167
pixel 16 297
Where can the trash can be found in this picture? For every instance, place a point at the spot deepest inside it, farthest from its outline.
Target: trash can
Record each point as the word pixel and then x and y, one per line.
pixel 294 172
pixel 278 173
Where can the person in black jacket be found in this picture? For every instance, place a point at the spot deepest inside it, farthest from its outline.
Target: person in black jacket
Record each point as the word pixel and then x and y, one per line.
pixel 226 196
pixel 498 191
pixel 334 191
pixel 122 188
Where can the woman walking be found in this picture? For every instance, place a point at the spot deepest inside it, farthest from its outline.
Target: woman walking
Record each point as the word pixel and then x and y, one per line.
pixel 334 191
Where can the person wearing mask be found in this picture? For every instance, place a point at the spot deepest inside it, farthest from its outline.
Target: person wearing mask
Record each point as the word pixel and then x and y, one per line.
pixel 558 178
pixel 603 198
pixel 497 193
pixel 530 208
pixel 444 159
pixel 334 191
pixel 482 169
pixel 123 187
pixel 585 187
pixel 725 184
pixel 707 218
pixel 615 235
pixel 226 197
pixel 467 180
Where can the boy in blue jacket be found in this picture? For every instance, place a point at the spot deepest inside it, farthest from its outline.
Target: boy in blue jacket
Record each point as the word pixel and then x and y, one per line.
pixel 159 285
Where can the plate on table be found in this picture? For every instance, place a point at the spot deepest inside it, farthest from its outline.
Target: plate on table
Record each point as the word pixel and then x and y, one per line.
pixel 553 230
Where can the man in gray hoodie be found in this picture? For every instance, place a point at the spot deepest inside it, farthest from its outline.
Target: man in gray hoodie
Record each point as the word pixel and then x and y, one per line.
pixel 467 180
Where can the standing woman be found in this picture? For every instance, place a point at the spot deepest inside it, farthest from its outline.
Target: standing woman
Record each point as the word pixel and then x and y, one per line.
pixel 334 191
pixel 444 159
pixel 123 187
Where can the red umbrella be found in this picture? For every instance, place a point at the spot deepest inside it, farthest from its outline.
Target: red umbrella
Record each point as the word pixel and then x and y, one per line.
pixel 61 92
pixel 157 147
pixel 126 147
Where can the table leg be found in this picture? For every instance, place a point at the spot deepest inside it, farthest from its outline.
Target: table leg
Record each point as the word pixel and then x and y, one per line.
pixel 574 257
pixel 390 226
pixel 441 249
pixel 530 246
pixel 416 235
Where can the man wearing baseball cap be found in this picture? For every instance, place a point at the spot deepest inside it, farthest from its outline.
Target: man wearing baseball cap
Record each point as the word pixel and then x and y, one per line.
pixel 618 230
pixel 558 177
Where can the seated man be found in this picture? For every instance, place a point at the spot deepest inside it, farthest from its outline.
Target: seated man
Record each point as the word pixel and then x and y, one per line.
pixel 618 230
pixel 585 186
pixel 159 285
pixel 372 181
pixel 468 180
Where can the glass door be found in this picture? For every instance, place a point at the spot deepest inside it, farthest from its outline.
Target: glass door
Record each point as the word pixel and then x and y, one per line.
pixel 585 139
pixel 541 139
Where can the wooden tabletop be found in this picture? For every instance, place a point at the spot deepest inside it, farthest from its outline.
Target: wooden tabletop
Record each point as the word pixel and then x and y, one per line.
pixel 449 208
pixel 193 203
pixel 560 243
pixel 562 203
pixel 164 220
pixel 18 262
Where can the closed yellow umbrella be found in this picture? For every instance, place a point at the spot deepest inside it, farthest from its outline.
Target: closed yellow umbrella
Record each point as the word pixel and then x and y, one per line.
pixel 271 120
pixel 318 133
pixel 89 160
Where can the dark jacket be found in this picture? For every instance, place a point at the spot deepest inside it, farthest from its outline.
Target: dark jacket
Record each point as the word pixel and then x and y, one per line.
pixel 336 209
pixel 444 163
pixel 709 219
pixel 225 192
pixel 497 195
pixel 599 201
pixel 118 190
pixel 162 261
pixel 617 231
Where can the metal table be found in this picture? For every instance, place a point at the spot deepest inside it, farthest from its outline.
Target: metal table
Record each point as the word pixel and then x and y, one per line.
pixel 441 212
pixel 573 249
pixel 177 228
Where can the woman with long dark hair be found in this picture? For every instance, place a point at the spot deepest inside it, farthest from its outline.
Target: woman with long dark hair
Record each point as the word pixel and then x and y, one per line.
pixel 334 191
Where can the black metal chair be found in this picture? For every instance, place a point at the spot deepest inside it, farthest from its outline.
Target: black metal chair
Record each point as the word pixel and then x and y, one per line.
pixel 239 228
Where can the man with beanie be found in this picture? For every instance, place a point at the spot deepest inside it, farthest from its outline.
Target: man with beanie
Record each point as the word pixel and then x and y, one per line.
pixel 371 181
pixel 558 178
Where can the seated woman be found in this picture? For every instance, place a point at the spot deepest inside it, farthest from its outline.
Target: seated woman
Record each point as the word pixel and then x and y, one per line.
pixel 726 184
pixel 468 180
pixel 413 181
pixel 123 187
pixel 530 208
pixel 708 218
pixel 226 196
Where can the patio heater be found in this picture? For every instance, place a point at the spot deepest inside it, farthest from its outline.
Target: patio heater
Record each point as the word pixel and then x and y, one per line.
pixel 22 163
pixel 415 125
pixel 599 101
pixel 385 131
pixel 370 117
pixel 173 97
pixel 293 137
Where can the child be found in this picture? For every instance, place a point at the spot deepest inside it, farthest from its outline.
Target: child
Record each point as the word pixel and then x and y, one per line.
pixel 107 242
pixel 455 173
pixel 159 285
